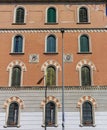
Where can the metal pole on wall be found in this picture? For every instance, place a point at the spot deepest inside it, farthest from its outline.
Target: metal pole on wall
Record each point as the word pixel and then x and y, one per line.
pixel 62 31
pixel 45 106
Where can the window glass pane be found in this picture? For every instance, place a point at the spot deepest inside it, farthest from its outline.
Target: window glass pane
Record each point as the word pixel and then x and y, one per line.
pixel 84 44
pixel 18 44
pixel 83 16
pixel 16 76
pixel 20 15
pixel 87 113
pixel 13 114
pixel 51 16
pixel 85 75
pixel 51 76
pixel 50 114
pixel 51 44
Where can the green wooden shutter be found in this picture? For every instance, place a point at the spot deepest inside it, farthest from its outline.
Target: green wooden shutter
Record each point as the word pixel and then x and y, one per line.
pixel 20 15
pixel 51 76
pixel 16 76
pixel 85 76
pixel 84 44
pixel 51 15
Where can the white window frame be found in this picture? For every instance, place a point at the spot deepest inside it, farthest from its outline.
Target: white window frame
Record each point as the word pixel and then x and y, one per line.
pixel 46 44
pixel 10 75
pixel 7 114
pixel 56 114
pixel 12 46
pixel 56 74
pixel 88 13
pixel 14 18
pixel 46 13
pixel 81 114
pixel 91 74
pixel 90 46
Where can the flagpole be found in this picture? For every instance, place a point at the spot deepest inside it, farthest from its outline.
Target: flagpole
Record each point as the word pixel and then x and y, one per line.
pixel 63 120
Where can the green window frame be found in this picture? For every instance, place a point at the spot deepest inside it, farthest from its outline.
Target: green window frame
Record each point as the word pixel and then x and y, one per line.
pixel 51 15
pixel 20 14
pixel 13 114
pixel 87 114
pixel 83 15
pixel 85 76
pixel 51 76
pixel 84 44
pixel 16 76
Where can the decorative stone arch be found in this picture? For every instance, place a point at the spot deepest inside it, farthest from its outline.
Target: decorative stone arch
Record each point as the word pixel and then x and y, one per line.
pixel 51 98
pixel 94 105
pixel 14 99
pixel 18 63
pixel 87 98
pixel 85 62
pixel 50 62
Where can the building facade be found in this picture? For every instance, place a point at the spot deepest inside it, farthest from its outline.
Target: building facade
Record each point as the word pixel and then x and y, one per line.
pixel 46 46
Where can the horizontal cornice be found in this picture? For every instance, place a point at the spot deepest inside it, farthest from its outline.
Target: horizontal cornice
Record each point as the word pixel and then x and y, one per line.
pixel 42 1
pixel 53 88
pixel 52 30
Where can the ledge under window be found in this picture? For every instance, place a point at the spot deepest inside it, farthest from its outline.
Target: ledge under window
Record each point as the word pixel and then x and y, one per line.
pixel 16 53
pixel 83 23
pixel 51 23
pixel 51 53
pixel 84 52
pixel 18 23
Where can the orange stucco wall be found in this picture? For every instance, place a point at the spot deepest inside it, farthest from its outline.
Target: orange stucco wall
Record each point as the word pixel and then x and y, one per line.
pixel 35 42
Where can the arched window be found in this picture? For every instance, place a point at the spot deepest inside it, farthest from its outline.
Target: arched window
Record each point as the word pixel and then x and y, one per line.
pixel 51 76
pixel 84 44
pixel 51 44
pixel 87 118
pixel 16 76
pixel 85 76
pixel 20 14
pixel 50 114
pixel 13 114
pixel 18 44
pixel 83 15
pixel 51 15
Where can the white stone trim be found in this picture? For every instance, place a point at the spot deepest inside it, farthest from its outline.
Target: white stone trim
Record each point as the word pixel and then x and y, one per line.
pixel 94 105
pixel 14 16
pixel 12 46
pixel 7 103
pixel 57 105
pixel 87 63
pixel 88 13
pixel 90 46
pixel 46 12
pixel 13 64
pixel 56 42
pixel 51 63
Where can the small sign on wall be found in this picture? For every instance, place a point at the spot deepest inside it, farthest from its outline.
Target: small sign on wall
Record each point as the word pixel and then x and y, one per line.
pixel 68 58
pixel 33 58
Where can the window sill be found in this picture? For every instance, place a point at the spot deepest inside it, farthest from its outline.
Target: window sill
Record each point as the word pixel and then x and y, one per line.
pixel 51 53
pixel 50 23
pixel 50 125
pixel 87 125
pixel 16 53
pixel 5 126
pixel 84 52
pixel 83 23
pixel 18 23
